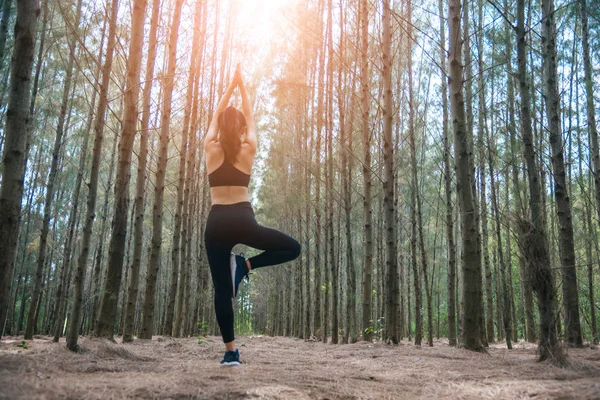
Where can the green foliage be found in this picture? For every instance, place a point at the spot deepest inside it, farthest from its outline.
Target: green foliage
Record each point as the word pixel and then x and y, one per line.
pixel 202 332
pixel 376 327
pixel 23 345
pixel 202 328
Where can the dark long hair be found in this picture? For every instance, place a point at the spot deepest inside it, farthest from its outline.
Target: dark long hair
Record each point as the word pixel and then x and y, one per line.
pixel 231 126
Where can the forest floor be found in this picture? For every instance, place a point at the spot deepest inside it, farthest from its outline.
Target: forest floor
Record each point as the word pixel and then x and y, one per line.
pixel 286 368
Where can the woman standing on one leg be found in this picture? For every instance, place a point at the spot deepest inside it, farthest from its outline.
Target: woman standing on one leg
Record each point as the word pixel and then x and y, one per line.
pixel 230 145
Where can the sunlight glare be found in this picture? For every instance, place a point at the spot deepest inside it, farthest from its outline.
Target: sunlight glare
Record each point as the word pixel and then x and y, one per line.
pixel 258 22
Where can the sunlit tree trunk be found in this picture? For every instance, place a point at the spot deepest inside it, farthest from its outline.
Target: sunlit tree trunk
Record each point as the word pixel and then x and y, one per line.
pixel 331 179
pixel 346 142
pixel 140 183
pixel 176 260
pixel 159 185
pixel 191 196
pixel 107 313
pixel 367 267
pixel 319 325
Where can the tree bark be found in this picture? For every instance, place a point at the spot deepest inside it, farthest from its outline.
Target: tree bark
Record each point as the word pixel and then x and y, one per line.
pixel 389 183
pixel 157 213
pixel 471 265
pixel 536 256
pixel 107 314
pixel 318 324
pixel 176 259
pixel 14 159
pixel 331 180
pixel 563 202
pixel 451 278
pixel 140 184
pixel 367 267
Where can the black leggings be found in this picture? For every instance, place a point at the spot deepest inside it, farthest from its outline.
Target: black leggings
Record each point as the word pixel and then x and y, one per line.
pixel 232 224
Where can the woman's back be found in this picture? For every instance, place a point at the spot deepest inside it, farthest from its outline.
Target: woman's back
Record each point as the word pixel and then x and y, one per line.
pixel 228 181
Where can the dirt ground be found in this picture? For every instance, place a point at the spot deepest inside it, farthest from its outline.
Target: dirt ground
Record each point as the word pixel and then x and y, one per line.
pixel 285 368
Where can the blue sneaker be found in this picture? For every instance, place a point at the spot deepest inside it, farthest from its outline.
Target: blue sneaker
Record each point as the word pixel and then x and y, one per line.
pixel 231 358
pixel 239 270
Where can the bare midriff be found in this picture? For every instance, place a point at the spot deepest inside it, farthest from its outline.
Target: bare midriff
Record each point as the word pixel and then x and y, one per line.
pixel 229 194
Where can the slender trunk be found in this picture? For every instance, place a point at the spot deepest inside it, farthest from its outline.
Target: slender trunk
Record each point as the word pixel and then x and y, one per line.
pixel 73 221
pixel 502 266
pixel 318 324
pixel 563 202
pixel 347 167
pixel 451 289
pixel 388 187
pixel 331 178
pixel 526 290
pixel 536 251
pixel 106 317
pixel 471 265
pixel 367 267
pixel 489 314
pixel 175 257
pixel 157 214
pixel 140 188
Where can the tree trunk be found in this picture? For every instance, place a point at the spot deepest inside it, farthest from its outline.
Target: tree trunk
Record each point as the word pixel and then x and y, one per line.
pixel 502 266
pixel 489 314
pixel 367 323
pixel 73 217
pixel 451 287
pixel 388 186
pixel 346 142
pixel 106 317
pixel 175 257
pixel 471 276
pixel 318 280
pixel 14 159
pixel 563 202
pixel 60 130
pixel 140 184
pixel 536 251
pixel 157 214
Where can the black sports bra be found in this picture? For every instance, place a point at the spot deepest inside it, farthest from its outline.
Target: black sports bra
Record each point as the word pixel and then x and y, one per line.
pixel 228 175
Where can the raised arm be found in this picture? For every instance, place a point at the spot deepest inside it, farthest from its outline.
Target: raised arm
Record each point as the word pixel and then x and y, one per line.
pixel 247 111
pixel 213 129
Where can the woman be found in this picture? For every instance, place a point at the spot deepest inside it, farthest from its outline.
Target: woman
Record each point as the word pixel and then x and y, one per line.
pixel 230 145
